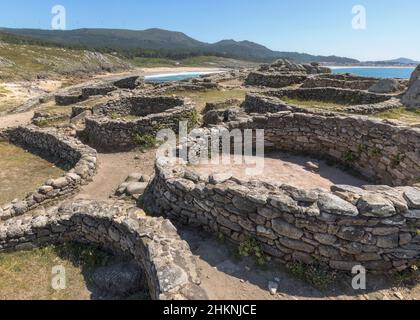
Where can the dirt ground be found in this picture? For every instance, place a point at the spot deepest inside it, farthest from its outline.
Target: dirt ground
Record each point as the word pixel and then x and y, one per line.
pixel 280 167
pixel 113 170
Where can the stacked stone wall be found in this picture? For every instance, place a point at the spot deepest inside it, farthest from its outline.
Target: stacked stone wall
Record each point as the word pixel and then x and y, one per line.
pixel 153 243
pixel 58 148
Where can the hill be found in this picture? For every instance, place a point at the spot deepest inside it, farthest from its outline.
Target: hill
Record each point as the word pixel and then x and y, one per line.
pixel 28 61
pixel 169 44
pixel 395 62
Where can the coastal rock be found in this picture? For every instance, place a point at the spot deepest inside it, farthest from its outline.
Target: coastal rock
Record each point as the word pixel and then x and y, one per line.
pixel 386 86
pixel 412 98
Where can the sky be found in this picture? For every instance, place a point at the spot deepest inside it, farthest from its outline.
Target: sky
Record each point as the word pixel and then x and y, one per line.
pixel 323 27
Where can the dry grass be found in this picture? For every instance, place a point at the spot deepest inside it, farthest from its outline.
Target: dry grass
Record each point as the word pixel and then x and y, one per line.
pixel 331 106
pixel 411 117
pixel 200 98
pixel 22 172
pixel 27 275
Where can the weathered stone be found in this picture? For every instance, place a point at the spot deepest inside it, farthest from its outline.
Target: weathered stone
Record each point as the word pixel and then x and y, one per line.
pixel 326 239
pixel 136 188
pixel 332 204
pixel 388 242
pixel 412 195
pixel 285 229
pixel 351 234
pixel 120 279
pixel 375 205
pixel 284 203
pixel 297 245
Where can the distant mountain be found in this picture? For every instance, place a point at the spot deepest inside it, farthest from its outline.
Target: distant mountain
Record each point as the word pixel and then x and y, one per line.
pixel 158 39
pixel 399 61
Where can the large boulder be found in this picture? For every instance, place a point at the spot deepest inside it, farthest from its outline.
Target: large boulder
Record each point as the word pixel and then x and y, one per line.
pixel 386 86
pixel 412 98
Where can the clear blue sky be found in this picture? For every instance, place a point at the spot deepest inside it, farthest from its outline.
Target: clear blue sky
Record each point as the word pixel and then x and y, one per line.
pixel 312 26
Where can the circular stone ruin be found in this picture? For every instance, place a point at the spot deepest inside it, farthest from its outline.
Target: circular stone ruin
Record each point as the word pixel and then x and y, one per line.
pixel 153 244
pixel 376 226
pixel 344 81
pixel 123 124
pixel 80 161
pixel 351 101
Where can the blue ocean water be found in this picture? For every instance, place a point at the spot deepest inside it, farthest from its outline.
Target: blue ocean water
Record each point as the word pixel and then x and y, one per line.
pixel 404 73
pixel 173 77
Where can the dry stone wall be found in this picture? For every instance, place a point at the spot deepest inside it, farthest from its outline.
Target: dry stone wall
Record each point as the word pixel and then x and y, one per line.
pixel 354 101
pixel 153 243
pixel 385 152
pixel 58 148
pixel 377 227
pixel 317 82
pixel 107 134
pixel 274 80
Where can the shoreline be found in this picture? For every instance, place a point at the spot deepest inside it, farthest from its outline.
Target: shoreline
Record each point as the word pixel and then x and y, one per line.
pixel 369 67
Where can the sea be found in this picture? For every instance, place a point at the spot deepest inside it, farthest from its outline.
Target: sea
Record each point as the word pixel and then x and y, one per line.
pixel 175 76
pixel 388 72
pixel 378 72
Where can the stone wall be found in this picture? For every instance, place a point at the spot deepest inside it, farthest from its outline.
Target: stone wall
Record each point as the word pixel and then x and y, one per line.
pixel 317 82
pixel 377 226
pixel 337 95
pixel 58 148
pixel 274 80
pixel 153 243
pixel 109 135
pixel 129 82
pixel 383 151
pixel 88 92
pixel 138 106
pixel 262 103
pixel 68 99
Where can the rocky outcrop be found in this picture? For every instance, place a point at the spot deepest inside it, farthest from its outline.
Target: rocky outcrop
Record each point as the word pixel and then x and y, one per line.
pixel 412 97
pixel 60 148
pixel 283 73
pixel 386 86
pixel 152 243
pixel 287 66
pixel 129 83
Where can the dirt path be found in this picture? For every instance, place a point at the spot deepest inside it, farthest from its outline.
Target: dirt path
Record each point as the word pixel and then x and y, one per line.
pixel 113 170
pixel 15 120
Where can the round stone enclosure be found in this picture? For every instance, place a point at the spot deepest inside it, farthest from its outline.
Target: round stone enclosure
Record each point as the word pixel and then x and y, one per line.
pixel 152 243
pixel 376 226
pixel 122 124
pixel 346 100
pixel 60 149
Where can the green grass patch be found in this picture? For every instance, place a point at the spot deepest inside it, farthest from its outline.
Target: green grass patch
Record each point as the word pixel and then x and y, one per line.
pixel 315 275
pixel 145 141
pixel 252 248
